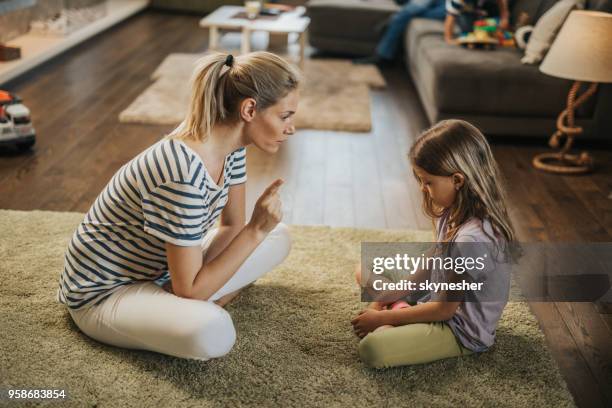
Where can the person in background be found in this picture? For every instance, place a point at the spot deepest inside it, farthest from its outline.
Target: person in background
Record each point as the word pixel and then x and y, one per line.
pixel 464 13
pixel 389 44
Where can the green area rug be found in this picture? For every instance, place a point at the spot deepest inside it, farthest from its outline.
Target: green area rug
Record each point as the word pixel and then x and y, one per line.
pixel 295 346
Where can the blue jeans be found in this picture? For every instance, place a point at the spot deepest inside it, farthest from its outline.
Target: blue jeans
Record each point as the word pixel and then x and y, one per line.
pixel 391 40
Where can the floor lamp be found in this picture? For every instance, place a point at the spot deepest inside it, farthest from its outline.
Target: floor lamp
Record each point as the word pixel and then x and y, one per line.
pixel 582 52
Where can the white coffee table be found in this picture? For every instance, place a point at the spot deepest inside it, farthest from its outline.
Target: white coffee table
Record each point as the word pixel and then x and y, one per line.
pixel 292 21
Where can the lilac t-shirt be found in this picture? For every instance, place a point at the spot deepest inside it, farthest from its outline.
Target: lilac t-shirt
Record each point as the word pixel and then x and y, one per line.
pixel 475 320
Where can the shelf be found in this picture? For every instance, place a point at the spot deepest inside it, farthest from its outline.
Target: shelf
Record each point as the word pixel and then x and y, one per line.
pixel 36 49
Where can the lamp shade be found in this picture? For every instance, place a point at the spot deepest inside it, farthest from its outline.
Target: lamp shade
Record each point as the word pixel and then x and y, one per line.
pixel 582 50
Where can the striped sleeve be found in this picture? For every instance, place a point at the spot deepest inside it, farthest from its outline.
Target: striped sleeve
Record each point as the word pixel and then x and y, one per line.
pixel 175 212
pixel 238 171
pixel 455 7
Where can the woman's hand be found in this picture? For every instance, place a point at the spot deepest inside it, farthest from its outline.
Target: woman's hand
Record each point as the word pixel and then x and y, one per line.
pixel 168 287
pixel 368 320
pixel 268 209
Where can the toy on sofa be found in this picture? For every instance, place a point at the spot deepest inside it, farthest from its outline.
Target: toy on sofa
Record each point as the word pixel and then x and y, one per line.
pixel 400 304
pixel 15 124
pixel 487 35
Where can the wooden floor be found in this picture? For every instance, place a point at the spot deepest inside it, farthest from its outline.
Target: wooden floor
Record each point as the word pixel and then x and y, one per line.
pixel 339 179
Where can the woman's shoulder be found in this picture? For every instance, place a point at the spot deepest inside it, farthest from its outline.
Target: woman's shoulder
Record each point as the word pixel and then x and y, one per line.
pixel 238 154
pixel 173 162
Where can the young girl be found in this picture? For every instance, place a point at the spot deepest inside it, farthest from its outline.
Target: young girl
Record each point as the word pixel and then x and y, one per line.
pixel 152 225
pixel 461 191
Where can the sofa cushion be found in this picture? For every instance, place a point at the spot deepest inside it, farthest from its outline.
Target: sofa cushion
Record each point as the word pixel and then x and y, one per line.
pixel 600 5
pixel 546 29
pixel 363 5
pixel 459 80
pixel 530 7
pixel 193 6
pixel 421 27
pixel 355 20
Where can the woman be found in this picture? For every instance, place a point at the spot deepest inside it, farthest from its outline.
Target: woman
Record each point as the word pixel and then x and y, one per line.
pixel 145 269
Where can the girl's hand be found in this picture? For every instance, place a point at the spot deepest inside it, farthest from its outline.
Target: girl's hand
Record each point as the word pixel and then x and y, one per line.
pixel 267 212
pixel 451 41
pixel 504 23
pixel 368 320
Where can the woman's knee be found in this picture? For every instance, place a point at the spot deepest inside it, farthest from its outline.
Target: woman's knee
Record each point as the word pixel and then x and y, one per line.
pixel 282 241
pixel 214 336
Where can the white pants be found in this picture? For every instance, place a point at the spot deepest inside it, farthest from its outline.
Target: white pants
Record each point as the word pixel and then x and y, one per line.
pixel 144 316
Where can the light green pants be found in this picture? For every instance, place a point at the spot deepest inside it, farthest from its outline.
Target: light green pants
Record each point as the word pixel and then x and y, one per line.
pixel 410 344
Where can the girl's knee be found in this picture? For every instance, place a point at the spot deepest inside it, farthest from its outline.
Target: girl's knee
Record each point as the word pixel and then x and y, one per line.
pixel 214 337
pixel 371 351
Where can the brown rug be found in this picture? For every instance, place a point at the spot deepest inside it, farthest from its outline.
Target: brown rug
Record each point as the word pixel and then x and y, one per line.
pixel 335 95
pixel 295 346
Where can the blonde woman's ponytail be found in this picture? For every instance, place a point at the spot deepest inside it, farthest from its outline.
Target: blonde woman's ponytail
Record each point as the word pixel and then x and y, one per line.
pixel 221 81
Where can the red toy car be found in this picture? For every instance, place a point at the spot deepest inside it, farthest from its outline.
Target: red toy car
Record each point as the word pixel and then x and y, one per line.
pixel 15 124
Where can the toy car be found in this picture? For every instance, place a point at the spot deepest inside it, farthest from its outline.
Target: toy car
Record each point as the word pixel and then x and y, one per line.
pixel 478 39
pixel 15 124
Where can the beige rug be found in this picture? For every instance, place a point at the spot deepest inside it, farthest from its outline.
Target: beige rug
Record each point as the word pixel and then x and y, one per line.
pixel 335 95
pixel 295 346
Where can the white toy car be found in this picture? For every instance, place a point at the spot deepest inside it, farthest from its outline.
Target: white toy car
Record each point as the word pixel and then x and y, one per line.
pixel 15 124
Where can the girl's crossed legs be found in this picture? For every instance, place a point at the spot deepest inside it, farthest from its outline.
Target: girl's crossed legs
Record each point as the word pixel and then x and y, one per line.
pixel 417 343
pixel 146 317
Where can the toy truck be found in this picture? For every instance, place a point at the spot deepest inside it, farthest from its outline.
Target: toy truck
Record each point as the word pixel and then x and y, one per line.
pixel 15 123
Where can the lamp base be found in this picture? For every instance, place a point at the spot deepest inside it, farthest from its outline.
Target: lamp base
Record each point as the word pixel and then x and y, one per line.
pixel 563 164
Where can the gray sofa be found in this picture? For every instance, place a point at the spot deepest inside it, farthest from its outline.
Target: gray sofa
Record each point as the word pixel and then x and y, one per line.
pixel 203 6
pixel 491 89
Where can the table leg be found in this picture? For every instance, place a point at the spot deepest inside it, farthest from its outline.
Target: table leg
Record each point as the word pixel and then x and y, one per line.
pixel 303 44
pixel 278 41
pixel 245 46
pixel 213 38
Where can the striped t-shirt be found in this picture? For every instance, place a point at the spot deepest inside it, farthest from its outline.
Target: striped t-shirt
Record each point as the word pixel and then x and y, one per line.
pixel 165 194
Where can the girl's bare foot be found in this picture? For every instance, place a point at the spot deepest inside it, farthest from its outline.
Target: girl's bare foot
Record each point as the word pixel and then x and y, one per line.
pixel 358 273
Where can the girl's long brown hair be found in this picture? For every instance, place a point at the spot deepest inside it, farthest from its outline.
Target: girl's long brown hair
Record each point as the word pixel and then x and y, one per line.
pixel 456 146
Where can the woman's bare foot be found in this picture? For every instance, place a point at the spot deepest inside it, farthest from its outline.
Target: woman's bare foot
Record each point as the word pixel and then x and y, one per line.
pixel 224 300
pixel 168 287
